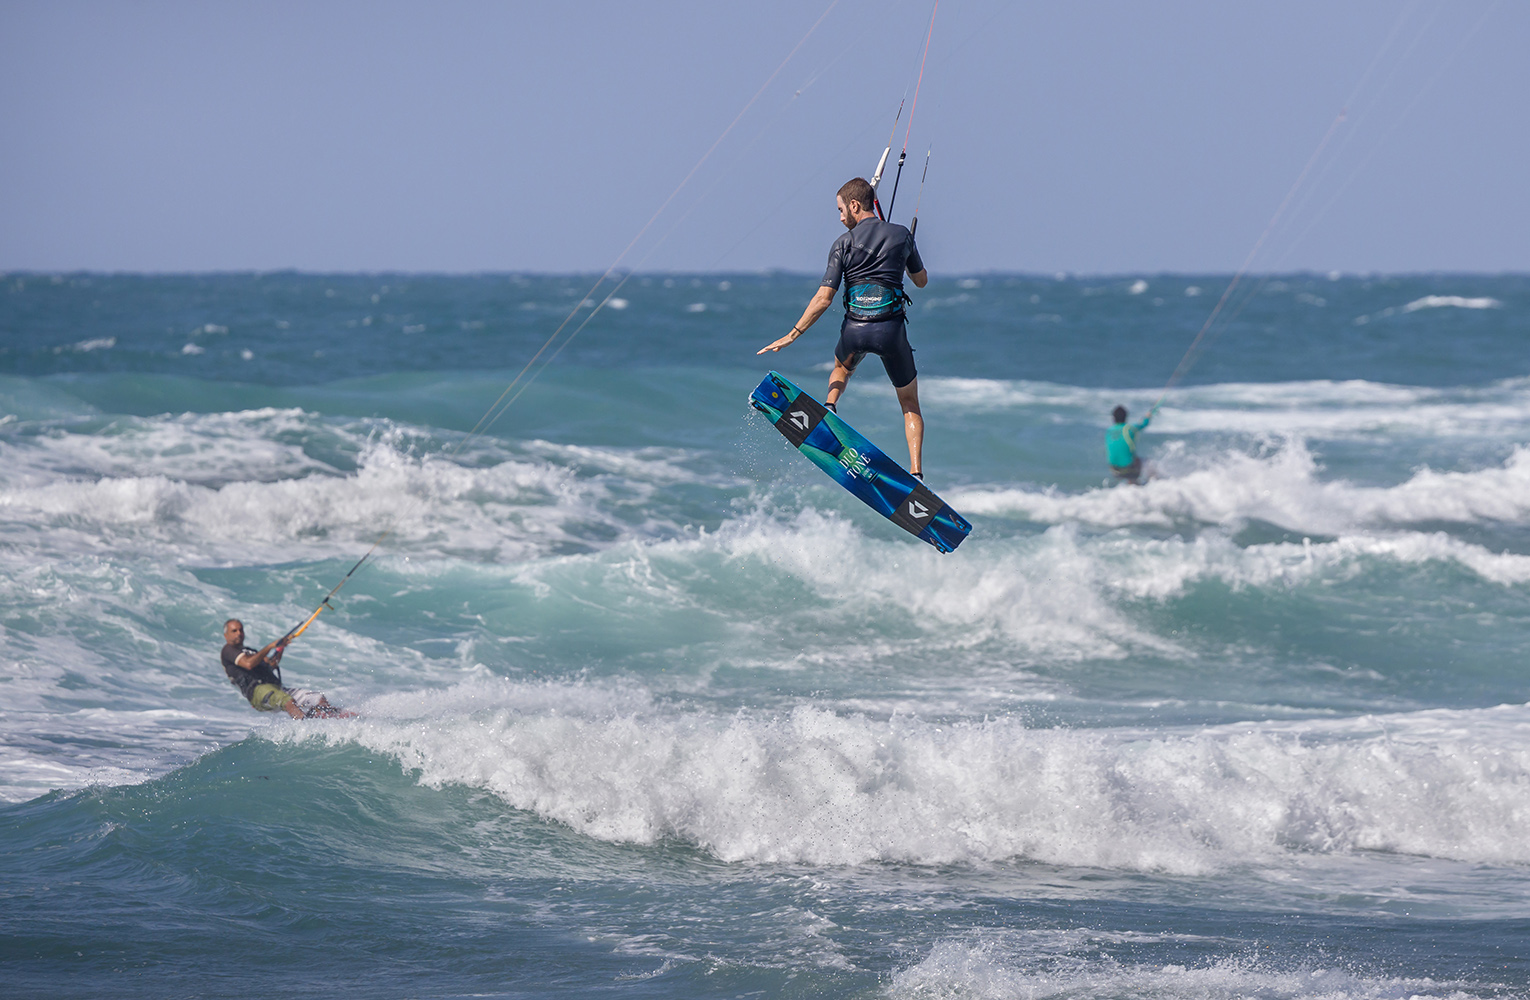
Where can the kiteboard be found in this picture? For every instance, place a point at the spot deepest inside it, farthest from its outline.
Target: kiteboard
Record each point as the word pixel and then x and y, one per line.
pixel 857 464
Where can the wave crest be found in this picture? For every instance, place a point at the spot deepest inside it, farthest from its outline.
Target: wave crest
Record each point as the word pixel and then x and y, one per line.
pixel 811 786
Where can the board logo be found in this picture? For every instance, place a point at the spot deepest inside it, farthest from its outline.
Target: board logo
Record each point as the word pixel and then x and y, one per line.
pixel 799 418
pixel 853 461
pixel 918 510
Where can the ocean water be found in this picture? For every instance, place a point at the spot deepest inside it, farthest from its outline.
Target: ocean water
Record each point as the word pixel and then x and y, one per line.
pixel 652 708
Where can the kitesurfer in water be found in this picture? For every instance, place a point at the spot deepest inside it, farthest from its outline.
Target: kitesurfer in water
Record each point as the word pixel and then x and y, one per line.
pixel 870 260
pixel 254 673
pixel 1121 446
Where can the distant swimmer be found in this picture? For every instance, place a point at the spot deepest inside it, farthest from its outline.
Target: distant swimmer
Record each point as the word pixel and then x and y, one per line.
pixel 257 675
pixel 870 259
pixel 1121 446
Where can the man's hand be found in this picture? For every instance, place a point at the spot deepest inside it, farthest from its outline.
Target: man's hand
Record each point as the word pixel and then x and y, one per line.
pixel 778 344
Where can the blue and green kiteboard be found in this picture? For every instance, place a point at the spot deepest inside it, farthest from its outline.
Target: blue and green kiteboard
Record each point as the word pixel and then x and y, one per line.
pixel 857 464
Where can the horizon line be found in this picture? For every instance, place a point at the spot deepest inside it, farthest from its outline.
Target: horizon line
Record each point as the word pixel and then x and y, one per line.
pixel 1057 275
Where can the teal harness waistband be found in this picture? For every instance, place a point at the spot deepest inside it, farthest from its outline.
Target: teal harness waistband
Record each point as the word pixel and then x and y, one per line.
pixel 872 302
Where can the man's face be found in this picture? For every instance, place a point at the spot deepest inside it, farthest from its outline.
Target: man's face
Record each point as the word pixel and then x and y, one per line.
pixel 846 214
pixel 234 632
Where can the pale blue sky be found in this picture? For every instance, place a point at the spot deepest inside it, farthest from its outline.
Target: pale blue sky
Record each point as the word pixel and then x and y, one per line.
pixel 1079 137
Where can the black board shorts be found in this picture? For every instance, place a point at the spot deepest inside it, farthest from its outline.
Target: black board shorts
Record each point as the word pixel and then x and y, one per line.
pixel 887 339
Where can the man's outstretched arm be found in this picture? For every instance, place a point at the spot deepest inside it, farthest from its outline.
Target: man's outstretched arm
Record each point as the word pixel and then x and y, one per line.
pixel 822 300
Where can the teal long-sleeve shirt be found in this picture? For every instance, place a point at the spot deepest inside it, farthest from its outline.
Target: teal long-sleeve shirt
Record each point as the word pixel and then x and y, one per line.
pixel 1121 442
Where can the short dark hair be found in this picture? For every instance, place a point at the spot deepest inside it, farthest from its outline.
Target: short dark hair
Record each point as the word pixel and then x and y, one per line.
pixel 858 189
pixel 1118 414
pixel 232 621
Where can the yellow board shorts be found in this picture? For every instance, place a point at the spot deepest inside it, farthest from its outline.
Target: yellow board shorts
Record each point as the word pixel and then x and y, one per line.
pixel 270 698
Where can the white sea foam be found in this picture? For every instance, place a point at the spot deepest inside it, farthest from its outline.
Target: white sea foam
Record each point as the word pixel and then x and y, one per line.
pixel 484 511
pixel 1049 595
pixel 212 448
pixel 96 344
pixel 1003 967
pixel 1163 569
pixel 1353 409
pixel 1431 302
pixel 210 486
pixel 1313 410
pixel 1451 301
pixel 817 787
pixel 1282 487
pixel 1042 593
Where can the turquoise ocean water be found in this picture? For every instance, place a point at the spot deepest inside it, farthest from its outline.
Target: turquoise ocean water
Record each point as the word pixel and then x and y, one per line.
pixel 652 708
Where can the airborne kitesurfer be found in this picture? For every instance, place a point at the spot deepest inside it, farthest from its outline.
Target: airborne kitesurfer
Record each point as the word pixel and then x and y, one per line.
pixel 870 260
pixel 1121 446
pixel 255 673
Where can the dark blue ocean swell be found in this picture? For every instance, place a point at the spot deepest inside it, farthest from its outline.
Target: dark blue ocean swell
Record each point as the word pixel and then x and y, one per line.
pixel 256 870
pixel 1093 331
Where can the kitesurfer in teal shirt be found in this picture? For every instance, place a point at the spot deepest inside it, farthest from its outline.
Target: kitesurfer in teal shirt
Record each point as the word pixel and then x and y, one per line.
pixel 1121 445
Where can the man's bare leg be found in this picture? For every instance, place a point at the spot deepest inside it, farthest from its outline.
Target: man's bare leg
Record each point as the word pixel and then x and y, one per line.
pixel 913 425
pixel 838 379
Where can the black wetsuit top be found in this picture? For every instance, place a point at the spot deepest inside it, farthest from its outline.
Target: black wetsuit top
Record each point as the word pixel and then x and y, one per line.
pixel 246 680
pixel 873 252
pixel 871 259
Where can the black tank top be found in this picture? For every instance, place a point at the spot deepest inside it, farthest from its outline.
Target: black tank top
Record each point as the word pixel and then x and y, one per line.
pixel 246 680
